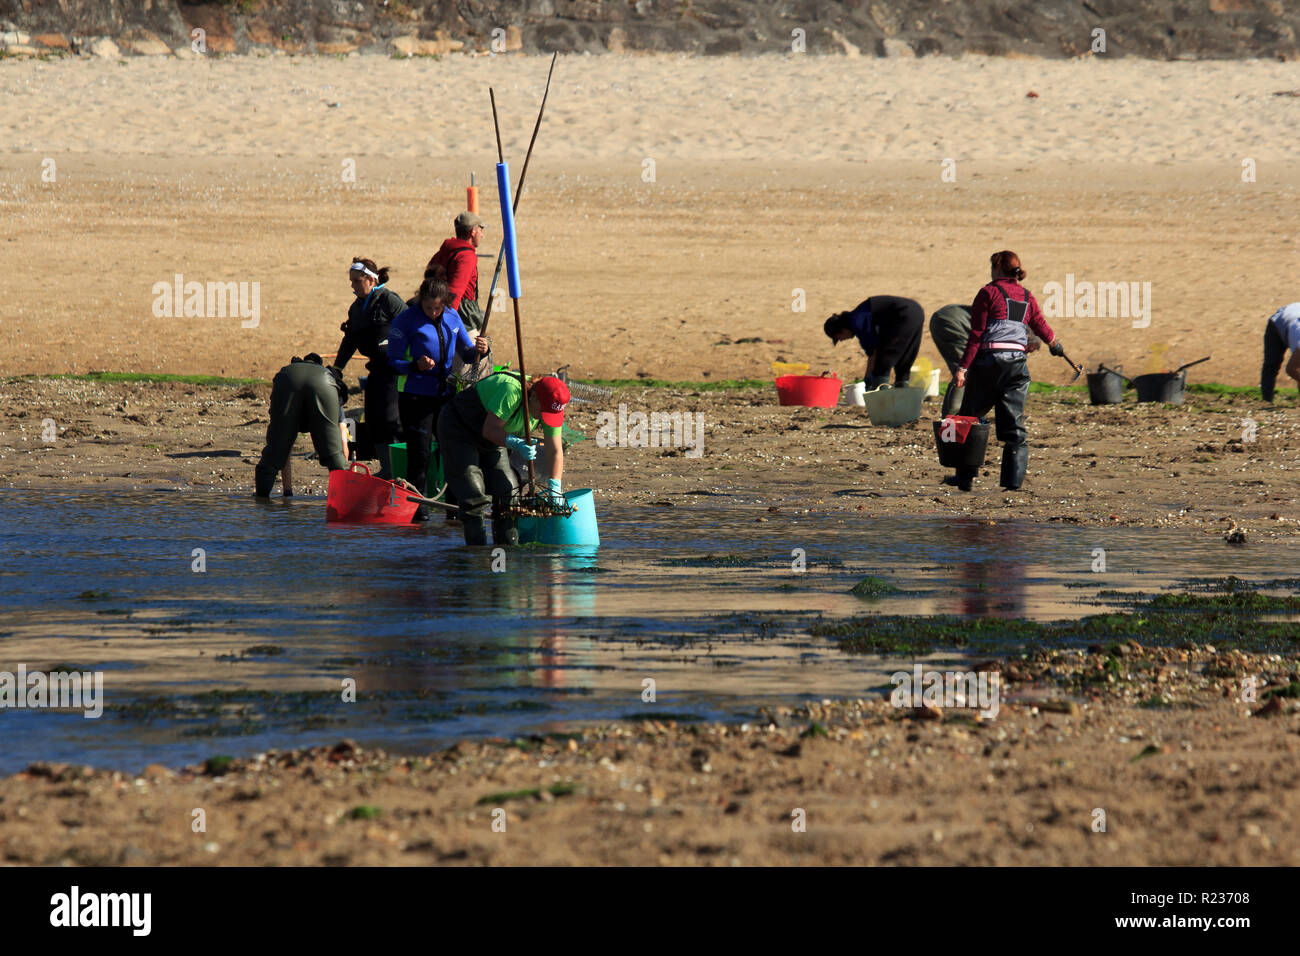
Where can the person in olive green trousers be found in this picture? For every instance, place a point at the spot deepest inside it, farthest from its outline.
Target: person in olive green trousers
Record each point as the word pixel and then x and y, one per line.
pixel 306 396
pixel 950 329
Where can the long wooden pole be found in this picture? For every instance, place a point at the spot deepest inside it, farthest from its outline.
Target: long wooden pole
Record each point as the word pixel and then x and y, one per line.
pixel 523 173
pixel 519 328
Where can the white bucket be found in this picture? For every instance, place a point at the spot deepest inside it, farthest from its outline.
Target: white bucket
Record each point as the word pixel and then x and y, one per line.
pixel 854 392
pixel 932 386
pixel 894 406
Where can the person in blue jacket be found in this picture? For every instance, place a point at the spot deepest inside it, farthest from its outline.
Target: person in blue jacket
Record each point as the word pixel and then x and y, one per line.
pixel 422 342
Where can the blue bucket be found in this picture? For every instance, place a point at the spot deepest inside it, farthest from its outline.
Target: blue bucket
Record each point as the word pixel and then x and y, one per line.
pixel 578 528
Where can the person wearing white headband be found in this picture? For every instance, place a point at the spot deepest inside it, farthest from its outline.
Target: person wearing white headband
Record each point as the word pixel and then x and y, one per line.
pixel 366 331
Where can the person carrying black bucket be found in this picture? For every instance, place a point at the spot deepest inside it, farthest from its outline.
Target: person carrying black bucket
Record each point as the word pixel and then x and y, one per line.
pixel 366 331
pixel 888 327
pixel 993 369
pixel 950 329
pixel 1281 332
pixel 306 396
pixel 422 342
pixel 475 431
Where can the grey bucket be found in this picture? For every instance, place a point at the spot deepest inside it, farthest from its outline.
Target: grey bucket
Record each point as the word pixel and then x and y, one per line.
pixel 1106 385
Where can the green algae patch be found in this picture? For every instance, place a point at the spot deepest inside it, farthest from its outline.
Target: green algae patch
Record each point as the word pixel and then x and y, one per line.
pixel 504 796
pixel 872 586
pixel 1223 620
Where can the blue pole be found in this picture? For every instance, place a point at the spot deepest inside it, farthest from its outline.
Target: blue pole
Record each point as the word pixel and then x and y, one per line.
pixel 508 230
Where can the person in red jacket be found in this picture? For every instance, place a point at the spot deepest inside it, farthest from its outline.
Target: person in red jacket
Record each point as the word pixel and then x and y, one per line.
pixel 458 258
pixel 993 369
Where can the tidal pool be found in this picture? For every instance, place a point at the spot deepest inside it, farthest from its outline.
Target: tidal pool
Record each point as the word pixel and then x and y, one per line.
pixel 713 602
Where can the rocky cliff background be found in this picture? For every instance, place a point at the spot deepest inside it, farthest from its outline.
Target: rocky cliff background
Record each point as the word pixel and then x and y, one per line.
pixel 1158 29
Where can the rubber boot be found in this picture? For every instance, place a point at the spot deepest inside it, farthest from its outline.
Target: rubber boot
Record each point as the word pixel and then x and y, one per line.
pixel 965 478
pixel 1015 459
pixel 385 456
pixel 505 531
pixel 475 530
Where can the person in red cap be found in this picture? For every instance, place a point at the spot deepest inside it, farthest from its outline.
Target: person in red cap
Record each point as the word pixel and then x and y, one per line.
pixel 476 431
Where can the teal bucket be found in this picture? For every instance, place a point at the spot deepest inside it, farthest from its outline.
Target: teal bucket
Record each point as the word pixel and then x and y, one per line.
pixel 578 528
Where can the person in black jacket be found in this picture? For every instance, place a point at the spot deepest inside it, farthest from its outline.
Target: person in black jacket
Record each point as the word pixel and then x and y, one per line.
pixel 888 327
pixel 366 331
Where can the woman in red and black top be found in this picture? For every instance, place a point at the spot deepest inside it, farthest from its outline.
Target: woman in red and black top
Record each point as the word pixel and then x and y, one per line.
pixel 993 368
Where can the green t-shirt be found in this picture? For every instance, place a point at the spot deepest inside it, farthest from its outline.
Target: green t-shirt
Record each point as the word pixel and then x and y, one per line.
pixel 502 394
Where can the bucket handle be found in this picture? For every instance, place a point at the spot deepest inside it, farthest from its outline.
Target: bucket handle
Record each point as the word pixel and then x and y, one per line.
pixel 1190 364
pixel 1102 368
pixel 360 465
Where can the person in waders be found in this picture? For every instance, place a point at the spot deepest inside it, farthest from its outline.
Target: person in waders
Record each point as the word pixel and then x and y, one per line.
pixel 306 396
pixel 950 329
pixel 366 331
pixel 1281 332
pixel 888 327
pixel 475 431
pixel 422 342
pixel 993 369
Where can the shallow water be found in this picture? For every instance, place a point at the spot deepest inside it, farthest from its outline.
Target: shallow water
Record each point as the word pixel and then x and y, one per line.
pixel 703 599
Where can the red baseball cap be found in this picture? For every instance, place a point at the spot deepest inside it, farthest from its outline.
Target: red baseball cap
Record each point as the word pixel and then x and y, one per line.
pixel 552 394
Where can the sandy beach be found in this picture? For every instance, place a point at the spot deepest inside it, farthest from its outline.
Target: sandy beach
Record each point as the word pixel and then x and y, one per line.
pixel 774 180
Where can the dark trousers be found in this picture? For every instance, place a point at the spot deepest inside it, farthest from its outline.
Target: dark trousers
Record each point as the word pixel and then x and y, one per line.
pixel 1274 353
pixel 900 343
pixel 419 417
pixel 383 416
pixel 1000 381
pixel 478 472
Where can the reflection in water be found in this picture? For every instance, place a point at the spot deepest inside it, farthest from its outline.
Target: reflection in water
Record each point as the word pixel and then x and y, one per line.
pixel 701 599
pixel 992 583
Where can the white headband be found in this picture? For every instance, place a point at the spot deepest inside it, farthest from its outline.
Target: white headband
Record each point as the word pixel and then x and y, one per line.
pixel 360 267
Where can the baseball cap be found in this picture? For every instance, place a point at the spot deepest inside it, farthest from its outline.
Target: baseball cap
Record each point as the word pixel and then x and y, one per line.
pixel 468 220
pixel 552 395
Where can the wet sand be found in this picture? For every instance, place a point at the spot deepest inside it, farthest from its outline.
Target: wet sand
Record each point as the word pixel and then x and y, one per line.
pixel 1202 779
pixel 1195 466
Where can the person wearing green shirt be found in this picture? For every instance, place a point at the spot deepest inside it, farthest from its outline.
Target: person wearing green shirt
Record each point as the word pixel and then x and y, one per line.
pixel 476 431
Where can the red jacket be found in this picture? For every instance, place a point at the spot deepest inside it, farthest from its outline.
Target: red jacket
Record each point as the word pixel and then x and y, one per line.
pixel 988 313
pixel 460 259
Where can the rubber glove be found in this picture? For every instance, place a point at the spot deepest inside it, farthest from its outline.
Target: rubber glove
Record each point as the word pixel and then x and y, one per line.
pixel 1056 348
pixel 528 452
pixel 553 491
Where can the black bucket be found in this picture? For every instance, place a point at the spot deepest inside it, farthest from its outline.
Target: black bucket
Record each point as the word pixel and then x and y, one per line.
pixel 1105 387
pixel 968 454
pixel 1161 387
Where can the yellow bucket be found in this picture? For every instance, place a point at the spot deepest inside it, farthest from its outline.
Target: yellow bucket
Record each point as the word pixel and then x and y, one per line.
pixel 789 368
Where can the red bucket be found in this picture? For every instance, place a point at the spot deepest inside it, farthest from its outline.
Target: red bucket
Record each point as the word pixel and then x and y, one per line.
pixel 358 497
pixel 812 391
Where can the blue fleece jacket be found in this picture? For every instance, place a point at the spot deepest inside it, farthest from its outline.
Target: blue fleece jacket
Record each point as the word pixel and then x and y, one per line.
pixel 413 335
